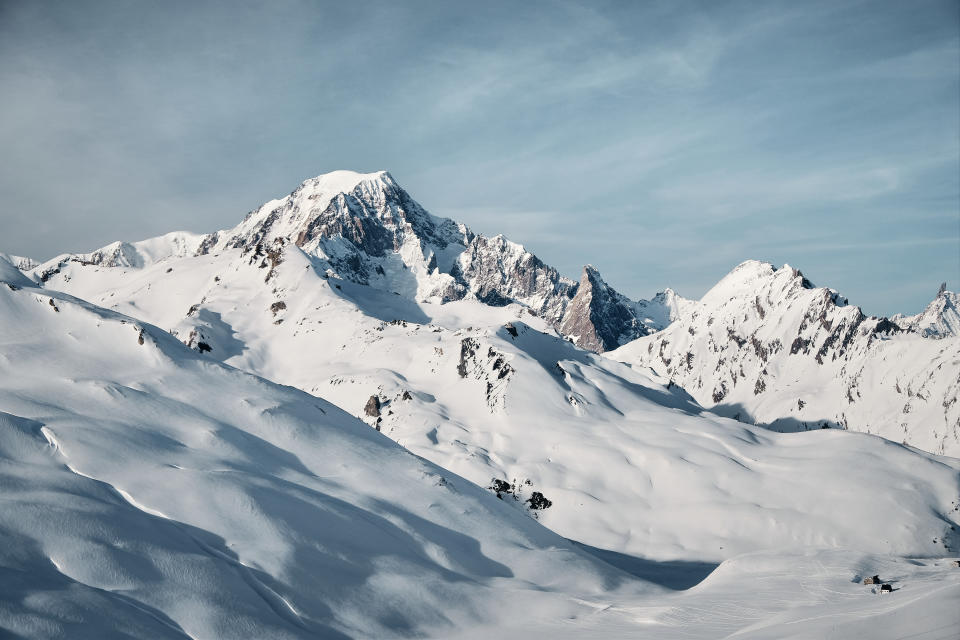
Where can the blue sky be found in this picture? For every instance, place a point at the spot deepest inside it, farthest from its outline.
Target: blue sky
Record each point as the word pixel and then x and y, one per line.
pixel 663 142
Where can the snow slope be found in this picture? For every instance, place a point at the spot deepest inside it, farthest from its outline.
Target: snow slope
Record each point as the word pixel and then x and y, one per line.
pixel 153 492
pixel 461 342
pixel 607 443
pixel 767 346
pixel 150 491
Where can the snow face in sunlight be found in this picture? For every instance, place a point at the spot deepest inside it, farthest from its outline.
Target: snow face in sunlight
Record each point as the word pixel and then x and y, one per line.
pixel 159 480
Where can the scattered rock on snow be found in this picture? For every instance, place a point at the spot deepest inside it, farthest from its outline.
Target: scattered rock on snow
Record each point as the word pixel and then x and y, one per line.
pixel 538 501
pixel 372 407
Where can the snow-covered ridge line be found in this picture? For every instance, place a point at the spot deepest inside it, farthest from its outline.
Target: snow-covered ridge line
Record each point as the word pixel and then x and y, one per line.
pixel 367 229
pixel 767 346
pixel 284 517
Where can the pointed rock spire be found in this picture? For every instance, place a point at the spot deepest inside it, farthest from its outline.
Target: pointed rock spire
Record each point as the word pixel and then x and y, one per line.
pixel 598 318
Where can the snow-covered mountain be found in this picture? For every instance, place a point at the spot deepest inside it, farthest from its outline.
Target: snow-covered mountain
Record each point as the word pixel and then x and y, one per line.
pixel 487 392
pixel 366 229
pixel 941 318
pixel 151 492
pixel 179 497
pixel 767 346
pixel 306 522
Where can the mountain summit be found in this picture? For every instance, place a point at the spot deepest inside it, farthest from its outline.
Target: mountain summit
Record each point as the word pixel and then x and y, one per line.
pixel 365 228
pixel 598 318
pixel 766 345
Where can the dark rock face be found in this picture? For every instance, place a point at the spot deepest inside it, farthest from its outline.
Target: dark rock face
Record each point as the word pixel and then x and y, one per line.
pixel 372 407
pixel 468 350
pixel 538 501
pixel 487 365
pixel 500 487
pixel 499 272
pixel 598 318
pixel 349 217
pixel 359 233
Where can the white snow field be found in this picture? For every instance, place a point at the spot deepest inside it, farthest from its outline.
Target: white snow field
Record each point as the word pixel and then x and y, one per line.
pixel 181 495
pixel 764 345
pixel 150 491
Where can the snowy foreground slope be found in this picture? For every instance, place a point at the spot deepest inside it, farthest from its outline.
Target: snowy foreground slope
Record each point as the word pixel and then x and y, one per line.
pixel 767 346
pixel 176 494
pixel 148 491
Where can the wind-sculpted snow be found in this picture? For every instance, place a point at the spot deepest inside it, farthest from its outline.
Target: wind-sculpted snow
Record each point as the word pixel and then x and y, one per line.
pixel 766 346
pixel 458 388
pixel 149 490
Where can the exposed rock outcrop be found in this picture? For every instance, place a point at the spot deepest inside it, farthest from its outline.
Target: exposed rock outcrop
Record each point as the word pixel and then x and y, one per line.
pixel 598 318
pixel 372 408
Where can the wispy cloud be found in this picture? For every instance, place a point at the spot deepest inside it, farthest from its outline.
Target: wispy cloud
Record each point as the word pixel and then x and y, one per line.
pixel 664 141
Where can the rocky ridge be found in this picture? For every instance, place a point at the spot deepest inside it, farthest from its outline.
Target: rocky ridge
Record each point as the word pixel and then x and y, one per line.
pixel 366 229
pixel 765 345
pixel 941 318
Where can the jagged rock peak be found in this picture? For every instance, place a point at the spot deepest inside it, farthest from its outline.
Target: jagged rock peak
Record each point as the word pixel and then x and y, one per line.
pixel 369 209
pixel 598 318
pixel 940 319
pixel 498 271
pixel 365 228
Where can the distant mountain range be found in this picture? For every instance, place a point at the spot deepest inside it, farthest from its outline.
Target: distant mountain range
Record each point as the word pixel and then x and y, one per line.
pixel 346 417
pixel 764 346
